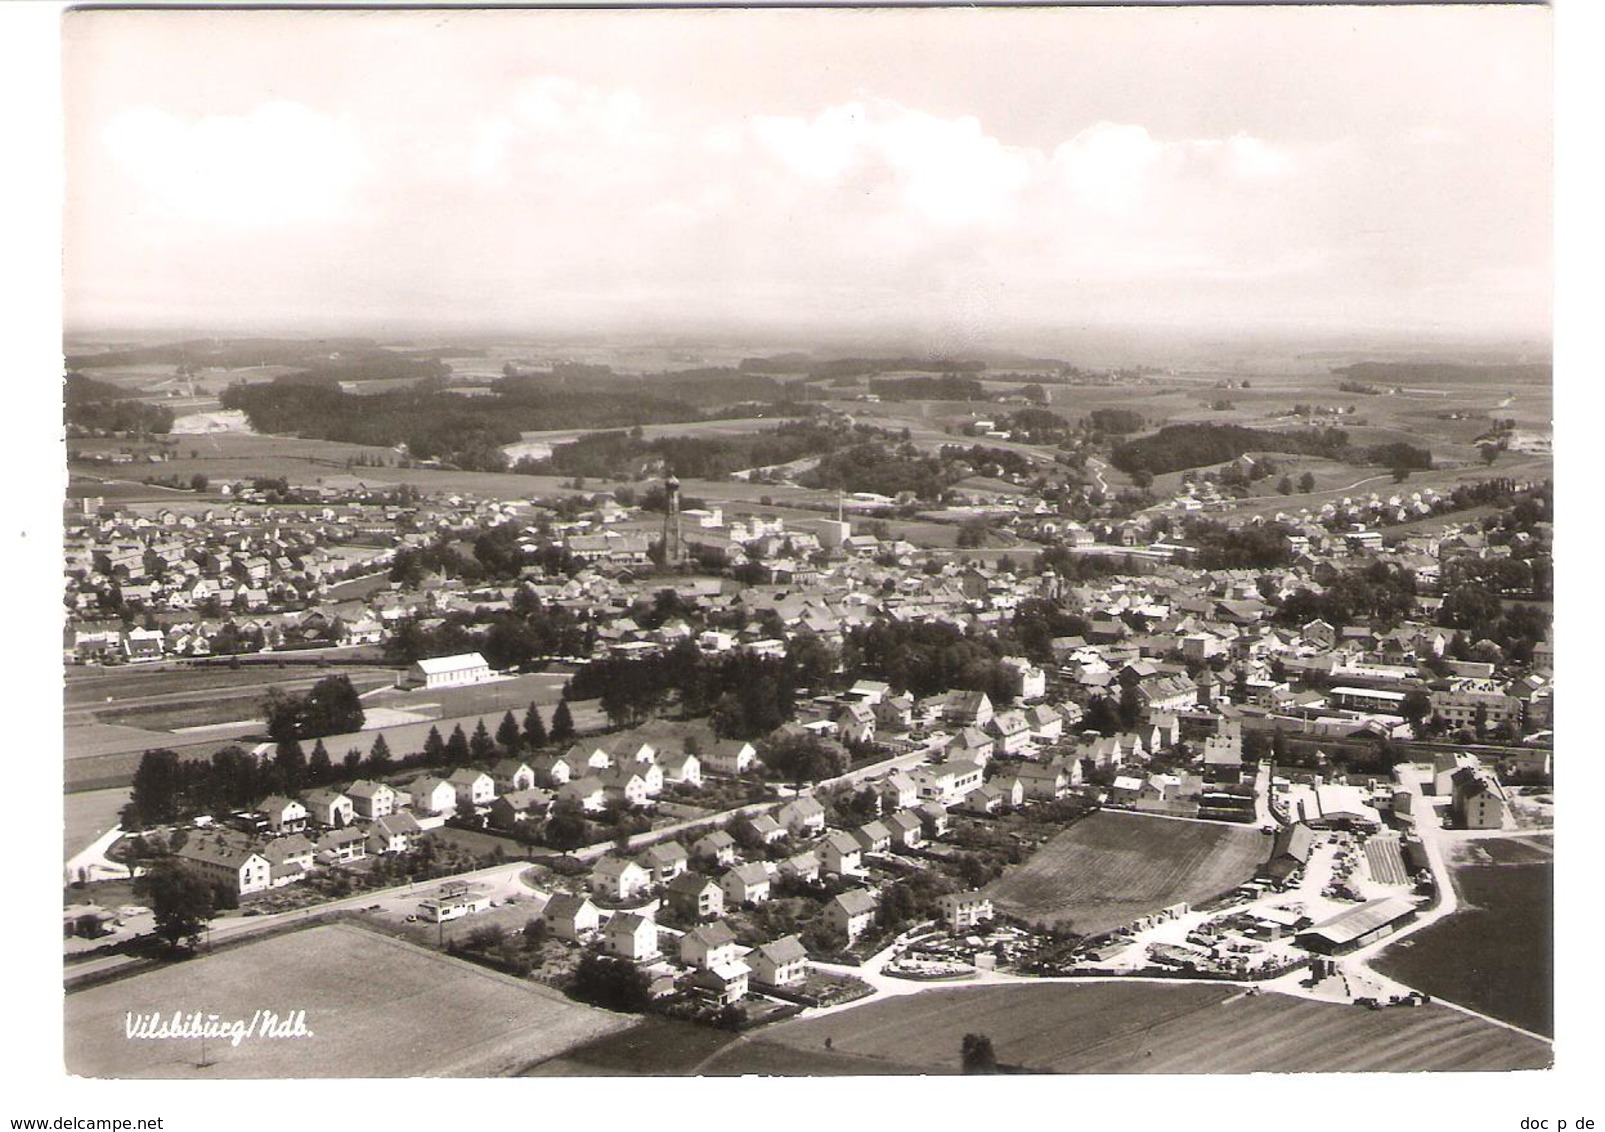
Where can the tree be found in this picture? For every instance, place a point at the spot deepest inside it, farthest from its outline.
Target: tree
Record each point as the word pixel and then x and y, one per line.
pixel 291 763
pixel 1400 474
pixel 352 763
pixel 610 982
pixel 155 798
pixel 181 903
pixel 802 758
pixel 319 768
pixel 1130 708
pixel 467 813
pixel 1489 453
pixel 562 723
pixel 1306 483
pixel 1416 709
pixel 566 828
pixel 379 760
pixel 434 748
pixel 508 737
pixel 534 728
pixel 977 1055
pixel 481 745
pixel 457 748
pixel 1284 486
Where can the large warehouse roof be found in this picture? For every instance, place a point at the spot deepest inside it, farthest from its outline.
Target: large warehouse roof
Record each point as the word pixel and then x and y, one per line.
pixel 435 665
pixel 1346 927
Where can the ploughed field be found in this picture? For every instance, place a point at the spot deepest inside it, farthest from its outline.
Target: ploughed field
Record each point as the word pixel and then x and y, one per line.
pixel 1495 955
pixel 375 1006
pixel 1139 1027
pixel 1110 868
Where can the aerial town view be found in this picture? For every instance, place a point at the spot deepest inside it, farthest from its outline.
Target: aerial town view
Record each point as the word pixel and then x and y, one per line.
pixel 606 554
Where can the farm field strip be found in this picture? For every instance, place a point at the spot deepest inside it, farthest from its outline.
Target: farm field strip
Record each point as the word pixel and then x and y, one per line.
pixel 376 1006
pixel 1122 1028
pixel 1109 868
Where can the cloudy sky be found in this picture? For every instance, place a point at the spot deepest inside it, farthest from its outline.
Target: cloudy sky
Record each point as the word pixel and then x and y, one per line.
pixel 975 172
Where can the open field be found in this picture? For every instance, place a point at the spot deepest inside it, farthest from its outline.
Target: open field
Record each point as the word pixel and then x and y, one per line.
pixel 1154 1028
pixel 1110 868
pixel 652 1047
pixel 1496 953
pixel 95 687
pixel 88 814
pixel 375 1006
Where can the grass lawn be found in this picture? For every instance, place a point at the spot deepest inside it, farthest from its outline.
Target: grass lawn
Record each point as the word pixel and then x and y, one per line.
pixel 651 1047
pixel 375 1006
pixel 1496 954
pixel 1110 868
pixel 1157 1028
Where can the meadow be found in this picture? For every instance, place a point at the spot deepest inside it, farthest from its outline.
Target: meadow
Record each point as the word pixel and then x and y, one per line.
pixel 1109 868
pixel 1113 1027
pixel 1495 955
pixel 376 1007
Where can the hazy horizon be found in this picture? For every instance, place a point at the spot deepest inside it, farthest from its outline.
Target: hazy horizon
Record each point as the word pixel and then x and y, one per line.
pixel 966 179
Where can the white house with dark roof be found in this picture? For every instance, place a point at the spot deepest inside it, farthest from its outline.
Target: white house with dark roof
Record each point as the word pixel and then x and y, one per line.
pixel 631 935
pixel 745 884
pixel 284 815
pixel 851 912
pixel 371 800
pixel 778 963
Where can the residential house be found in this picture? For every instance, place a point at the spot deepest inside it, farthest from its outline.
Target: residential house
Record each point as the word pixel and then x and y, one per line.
pixel 970 745
pixel 588 793
pixel 342 846
pixel 242 869
pixel 708 945
pixel 745 884
pixel 908 832
pixel 393 833
pixel 1043 781
pixel 873 837
pixel 473 787
pixel 694 896
pixel 729 756
pixel 855 722
pixel 723 985
pixel 570 917
pixel 518 807
pixel 1125 790
pixel 898 791
pixel 778 963
pixel 841 853
pixel 630 935
pixel 284 815
pixel 552 770
pixel 717 846
pixel 289 857
pixel 1012 731
pixel 962 911
pixel 802 817
pixel 509 775
pixel 1046 724
pixel 934 818
pixel 329 808
pixel 431 795
pixel 947 782
pixel 967 708
pixel 680 768
pixel 665 861
pixel 765 828
pixel 850 912
pixel 371 800
pixel 619 878
pixel 802 867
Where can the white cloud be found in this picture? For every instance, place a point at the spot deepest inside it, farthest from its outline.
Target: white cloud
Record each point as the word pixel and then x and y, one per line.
pixel 947 170
pixel 282 163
